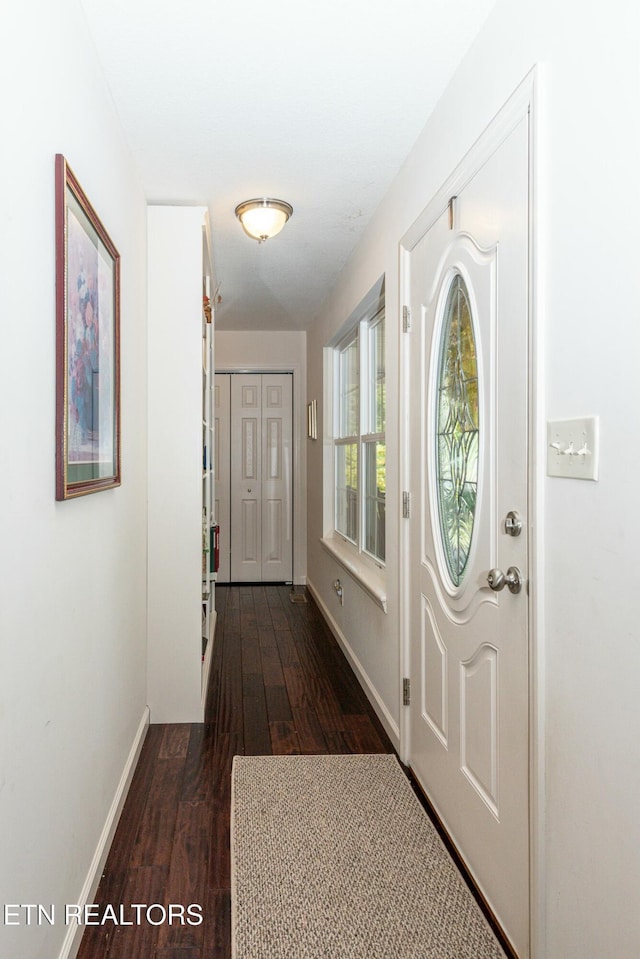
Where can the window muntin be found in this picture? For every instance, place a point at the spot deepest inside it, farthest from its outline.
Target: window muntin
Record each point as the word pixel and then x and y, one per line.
pixel 457 430
pixel 360 449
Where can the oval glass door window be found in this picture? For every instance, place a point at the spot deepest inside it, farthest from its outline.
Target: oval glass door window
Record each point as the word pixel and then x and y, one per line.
pixel 457 431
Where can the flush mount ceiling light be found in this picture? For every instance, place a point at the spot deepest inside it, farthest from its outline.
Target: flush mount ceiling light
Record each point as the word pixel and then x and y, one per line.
pixel 263 218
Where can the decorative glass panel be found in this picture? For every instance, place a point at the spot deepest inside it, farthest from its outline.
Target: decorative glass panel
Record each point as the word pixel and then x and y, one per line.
pixel 457 430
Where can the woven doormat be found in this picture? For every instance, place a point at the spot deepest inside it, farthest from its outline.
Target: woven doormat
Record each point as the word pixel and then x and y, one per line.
pixel 333 857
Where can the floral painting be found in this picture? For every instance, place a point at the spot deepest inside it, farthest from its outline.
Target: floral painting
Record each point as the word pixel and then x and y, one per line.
pixel 88 428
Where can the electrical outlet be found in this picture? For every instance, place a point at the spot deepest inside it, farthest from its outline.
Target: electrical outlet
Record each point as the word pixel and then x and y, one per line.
pixel 339 591
pixel 573 448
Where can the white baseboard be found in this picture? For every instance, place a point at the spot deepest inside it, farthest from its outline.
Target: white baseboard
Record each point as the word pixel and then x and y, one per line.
pixel 372 694
pixel 73 937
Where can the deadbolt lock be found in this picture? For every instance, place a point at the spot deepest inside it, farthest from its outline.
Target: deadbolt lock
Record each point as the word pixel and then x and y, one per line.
pixel 512 524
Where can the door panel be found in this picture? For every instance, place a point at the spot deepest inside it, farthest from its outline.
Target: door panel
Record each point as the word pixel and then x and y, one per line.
pixel 478 723
pixel 246 470
pixel 433 665
pixel 273 531
pixel 249 554
pixel 249 449
pixel 468 368
pixel 273 461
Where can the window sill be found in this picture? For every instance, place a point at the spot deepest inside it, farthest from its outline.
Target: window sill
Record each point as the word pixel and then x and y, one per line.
pixel 370 577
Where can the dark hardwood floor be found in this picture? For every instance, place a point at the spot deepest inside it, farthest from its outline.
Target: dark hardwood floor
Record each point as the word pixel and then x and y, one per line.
pixel 279 684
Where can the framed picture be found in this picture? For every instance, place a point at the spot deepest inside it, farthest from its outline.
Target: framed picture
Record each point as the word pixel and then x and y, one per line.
pixel 87 345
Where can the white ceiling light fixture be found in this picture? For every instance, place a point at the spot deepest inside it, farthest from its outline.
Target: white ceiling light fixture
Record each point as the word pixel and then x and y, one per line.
pixel 262 218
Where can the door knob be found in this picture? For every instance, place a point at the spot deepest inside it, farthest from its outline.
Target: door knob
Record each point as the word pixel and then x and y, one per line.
pixel 497 580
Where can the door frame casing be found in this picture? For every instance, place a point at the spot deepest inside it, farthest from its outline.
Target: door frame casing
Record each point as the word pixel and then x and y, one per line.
pixel 524 102
pixel 298 506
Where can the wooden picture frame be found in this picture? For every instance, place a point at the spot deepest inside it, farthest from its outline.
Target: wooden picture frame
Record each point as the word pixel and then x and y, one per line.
pixel 87 345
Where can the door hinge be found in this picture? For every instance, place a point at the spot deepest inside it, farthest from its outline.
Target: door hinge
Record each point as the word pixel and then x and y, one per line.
pixel 452 210
pixel 406 319
pixel 406 505
pixel 406 692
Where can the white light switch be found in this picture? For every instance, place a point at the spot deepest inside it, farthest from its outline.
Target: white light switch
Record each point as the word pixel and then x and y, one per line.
pixel 573 448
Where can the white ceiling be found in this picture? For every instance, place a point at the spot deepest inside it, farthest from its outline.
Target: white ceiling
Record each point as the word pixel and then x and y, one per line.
pixel 317 103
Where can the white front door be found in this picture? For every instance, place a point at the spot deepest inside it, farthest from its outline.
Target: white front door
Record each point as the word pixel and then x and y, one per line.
pixel 467 278
pixel 261 476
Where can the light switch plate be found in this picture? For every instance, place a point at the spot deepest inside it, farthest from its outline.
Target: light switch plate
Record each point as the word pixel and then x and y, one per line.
pixel 573 448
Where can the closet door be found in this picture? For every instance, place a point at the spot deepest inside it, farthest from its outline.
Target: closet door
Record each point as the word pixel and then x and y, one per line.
pixel 255 508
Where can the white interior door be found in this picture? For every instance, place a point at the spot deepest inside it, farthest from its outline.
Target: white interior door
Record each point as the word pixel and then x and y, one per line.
pixel 468 367
pixel 258 507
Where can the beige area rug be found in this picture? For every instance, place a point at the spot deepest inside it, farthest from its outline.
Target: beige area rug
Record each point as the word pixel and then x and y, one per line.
pixel 333 857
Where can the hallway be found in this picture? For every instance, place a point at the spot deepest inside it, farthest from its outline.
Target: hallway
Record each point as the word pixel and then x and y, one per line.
pixel 279 684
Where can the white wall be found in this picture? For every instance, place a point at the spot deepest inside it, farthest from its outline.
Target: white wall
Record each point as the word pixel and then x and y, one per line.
pixel 589 300
pixel 282 351
pixel 368 635
pixel 72 583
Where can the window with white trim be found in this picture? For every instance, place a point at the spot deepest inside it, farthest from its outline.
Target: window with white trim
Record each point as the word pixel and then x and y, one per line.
pixel 360 448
